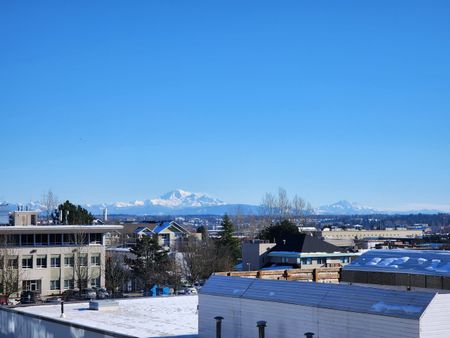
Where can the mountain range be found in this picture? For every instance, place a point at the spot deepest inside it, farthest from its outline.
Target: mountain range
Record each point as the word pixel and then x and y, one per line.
pixel 181 202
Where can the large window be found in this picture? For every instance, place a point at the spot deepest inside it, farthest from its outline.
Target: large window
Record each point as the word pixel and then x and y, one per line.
pixel 55 284
pixel 306 261
pixel 41 261
pixel 68 284
pixel 95 282
pixel 69 239
pixel 27 240
pixel 41 239
pixel 55 239
pixel 27 262
pixel 55 261
pixel 68 261
pixel 345 259
pixel 83 260
pixel 13 262
pixel 95 238
pixel 95 260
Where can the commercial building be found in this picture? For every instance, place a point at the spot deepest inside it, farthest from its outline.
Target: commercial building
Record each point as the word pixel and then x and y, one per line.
pixel 291 309
pixel 52 258
pixel 372 234
pixel 399 268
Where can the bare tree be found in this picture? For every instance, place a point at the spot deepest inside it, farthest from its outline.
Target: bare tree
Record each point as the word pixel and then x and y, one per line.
pixel 9 269
pixel 117 272
pixel 82 272
pixel 50 203
pixel 269 206
pixel 281 207
pixel 283 204
pixel 202 258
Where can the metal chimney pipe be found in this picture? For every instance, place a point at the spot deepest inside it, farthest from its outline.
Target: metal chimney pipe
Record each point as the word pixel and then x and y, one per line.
pixel 62 309
pixel 218 326
pixel 261 328
pixel 309 334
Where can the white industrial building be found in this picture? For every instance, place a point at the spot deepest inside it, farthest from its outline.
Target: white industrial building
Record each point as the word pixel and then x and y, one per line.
pixel 327 310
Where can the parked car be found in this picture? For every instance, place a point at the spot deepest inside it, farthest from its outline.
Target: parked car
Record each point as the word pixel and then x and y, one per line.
pixel 102 293
pixel 88 294
pixel 30 297
pixel 72 294
pixel 53 300
pixel 191 291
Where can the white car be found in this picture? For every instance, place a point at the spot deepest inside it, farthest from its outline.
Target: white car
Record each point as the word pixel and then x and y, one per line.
pixel 191 291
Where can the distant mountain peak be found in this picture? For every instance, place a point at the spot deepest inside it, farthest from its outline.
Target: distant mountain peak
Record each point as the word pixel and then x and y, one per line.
pixel 181 198
pixel 344 207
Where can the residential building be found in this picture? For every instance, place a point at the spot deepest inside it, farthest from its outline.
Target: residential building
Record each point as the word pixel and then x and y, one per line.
pixel 300 251
pixel 170 233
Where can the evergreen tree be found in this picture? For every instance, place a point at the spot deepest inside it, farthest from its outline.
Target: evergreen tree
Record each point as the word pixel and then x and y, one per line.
pixel 279 231
pixel 227 241
pixel 77 215
pixel 151 263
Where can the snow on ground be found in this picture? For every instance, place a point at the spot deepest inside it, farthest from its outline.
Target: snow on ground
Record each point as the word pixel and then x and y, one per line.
pixel 141 317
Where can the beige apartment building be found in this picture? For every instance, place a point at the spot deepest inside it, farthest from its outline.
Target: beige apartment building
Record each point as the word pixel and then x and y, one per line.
pixel 363 234
pixel 50 258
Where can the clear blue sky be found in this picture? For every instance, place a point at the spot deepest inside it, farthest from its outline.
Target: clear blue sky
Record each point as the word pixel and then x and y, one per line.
pixel 121 100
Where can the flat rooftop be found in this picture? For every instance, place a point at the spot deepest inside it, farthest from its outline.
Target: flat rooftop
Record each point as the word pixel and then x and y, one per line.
pixel 174 316
pixel 31 229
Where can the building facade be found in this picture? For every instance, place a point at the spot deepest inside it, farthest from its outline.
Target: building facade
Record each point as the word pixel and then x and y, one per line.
pixel 51 259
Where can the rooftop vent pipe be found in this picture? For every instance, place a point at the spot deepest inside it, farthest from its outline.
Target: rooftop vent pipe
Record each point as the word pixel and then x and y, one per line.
pixel 261 328
pixel 218 326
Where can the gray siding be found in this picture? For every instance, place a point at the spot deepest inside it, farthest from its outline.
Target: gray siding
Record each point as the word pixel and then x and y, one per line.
pixel 289 320
pixel 435 321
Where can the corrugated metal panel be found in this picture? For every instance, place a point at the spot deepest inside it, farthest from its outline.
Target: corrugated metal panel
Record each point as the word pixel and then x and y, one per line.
pixel 226 286
pixel 422 262
pixel 352 298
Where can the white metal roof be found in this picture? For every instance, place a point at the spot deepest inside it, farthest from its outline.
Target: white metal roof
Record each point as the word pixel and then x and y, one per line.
pixel 423 262
pixel 404 304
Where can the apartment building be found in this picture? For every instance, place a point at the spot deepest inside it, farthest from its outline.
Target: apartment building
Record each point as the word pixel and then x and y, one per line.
pixel 363 234
pixel 51 258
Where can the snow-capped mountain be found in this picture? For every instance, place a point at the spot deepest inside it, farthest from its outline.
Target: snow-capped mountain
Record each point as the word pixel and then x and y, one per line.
pixel 174 202
pixel 182 199
pixel 345 208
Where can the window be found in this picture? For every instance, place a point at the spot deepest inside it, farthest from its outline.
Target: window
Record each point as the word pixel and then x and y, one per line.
pixel 95 282
pixel 95 238
pixel 321 261
pixel 307 261
pixel 55 284
pixel 68 261
pixel 345 260
pixel 95 260
pixel 69 239
pixel 27 240
pixel 13 262
pixel 55 239
pixel 83 260
pixel 41 262
pixel 68 284
pixel 27 262
pixel 55 261
pixel 41 239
